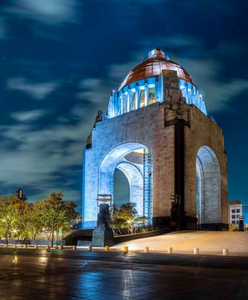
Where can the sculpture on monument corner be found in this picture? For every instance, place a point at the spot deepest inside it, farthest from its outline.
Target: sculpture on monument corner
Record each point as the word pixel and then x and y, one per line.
pixel 103 234
pixel 97 119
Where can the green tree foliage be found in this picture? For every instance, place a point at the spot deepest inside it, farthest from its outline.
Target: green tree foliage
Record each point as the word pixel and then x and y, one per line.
pixel 125 218
pixel 25 219
pixel 54 213
pixel 233 227
pixel 8 216
pixel 19 219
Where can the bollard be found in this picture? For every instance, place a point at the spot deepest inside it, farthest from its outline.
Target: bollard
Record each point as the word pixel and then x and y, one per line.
pixel 125 249
pixel 5 245
pixel 89 248
pixel 60 247
pixel 106 248
pixel 36 246
pixel 225 252
pixel 47 247
pixel 146 249
pixel 15 246
pixel 169 250
pixel 25 246
pixel 74 247
pixel 196 250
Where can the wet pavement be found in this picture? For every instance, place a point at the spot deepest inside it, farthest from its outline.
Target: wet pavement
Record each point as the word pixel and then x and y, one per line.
pixel 64 274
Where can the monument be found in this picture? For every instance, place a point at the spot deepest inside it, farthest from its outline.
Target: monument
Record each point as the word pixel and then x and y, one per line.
pixel 102 234
pixel 157 132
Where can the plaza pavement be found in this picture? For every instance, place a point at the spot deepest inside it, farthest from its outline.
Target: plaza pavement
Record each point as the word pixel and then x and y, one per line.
pixel 27 274
pixel 208 242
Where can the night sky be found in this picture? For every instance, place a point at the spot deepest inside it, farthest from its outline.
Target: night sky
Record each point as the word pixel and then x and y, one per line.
pixel 60 59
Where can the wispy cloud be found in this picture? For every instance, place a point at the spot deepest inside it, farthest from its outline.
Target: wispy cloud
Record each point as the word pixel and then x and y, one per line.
pixel 69 194
pixel 28 116
pixel 205 66
pixel 38 90
pixel 97 90
pixel 45 11
pixel 208 76
pixel 40 158
pixel 43 158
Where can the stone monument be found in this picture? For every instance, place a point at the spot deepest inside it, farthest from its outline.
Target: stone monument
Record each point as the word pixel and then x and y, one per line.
pixel 102 234
pixel 157 132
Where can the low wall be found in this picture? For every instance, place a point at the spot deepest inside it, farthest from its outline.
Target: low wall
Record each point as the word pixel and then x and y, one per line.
pixel 135 236
pixel 78 235
pixel 84 243
pixel 31 242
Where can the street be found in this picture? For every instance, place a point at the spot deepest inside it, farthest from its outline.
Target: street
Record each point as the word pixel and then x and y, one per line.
pixel 64 274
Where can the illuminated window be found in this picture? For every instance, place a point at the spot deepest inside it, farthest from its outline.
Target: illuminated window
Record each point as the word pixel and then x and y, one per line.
pixel 142 98
pixel 151 96
pixel 133 102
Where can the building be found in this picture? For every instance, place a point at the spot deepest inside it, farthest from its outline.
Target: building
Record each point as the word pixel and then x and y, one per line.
pixel 235 211
pixel 157 132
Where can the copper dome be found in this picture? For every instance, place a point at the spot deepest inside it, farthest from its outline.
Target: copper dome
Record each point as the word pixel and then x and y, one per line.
pixel 153 65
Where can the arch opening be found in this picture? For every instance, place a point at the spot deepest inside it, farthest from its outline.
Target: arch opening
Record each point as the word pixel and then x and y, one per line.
pixel 134 161
pixel 121 188
pixel 208 187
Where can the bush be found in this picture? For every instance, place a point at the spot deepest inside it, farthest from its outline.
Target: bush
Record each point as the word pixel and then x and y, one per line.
pixel 233 227
pixel 142 229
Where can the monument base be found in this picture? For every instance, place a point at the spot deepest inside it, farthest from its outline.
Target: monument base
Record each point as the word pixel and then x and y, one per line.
pixel 102 237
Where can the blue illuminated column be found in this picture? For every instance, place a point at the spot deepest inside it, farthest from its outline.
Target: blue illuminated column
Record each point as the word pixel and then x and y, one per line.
pixel 137 93
pixel 146 94
pixel 128 100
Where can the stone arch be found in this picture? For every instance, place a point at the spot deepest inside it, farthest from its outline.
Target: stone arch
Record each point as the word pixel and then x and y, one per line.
pixel 115 158
pixel 208 179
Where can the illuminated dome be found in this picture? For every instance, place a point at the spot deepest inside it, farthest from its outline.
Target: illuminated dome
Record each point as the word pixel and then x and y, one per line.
pixel 147 83
pixel 153 65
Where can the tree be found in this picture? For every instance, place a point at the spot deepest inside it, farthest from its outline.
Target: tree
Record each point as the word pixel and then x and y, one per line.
pixel 54 213
pixel 141 220
pixel 37 225
pixel 8 215
pixel 123 217
pixel 25 219
pixel 126 218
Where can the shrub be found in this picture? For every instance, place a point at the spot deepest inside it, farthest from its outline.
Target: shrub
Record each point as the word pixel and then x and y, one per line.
pixel 233 227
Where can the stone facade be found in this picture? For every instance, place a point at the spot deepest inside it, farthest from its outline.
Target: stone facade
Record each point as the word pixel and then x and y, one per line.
pixel 187 150
pixel 150 126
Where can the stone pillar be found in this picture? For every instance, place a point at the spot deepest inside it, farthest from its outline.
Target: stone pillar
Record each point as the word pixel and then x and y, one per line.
pixel 137 95
pixel 146 94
